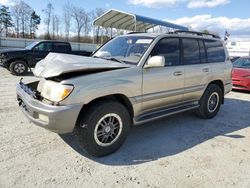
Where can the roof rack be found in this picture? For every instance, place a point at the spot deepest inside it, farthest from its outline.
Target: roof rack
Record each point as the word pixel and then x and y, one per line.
pixel 135 32
pixel 197 33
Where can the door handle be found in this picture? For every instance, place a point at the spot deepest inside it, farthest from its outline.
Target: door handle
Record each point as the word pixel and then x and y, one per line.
pixel 205 69
pixel 177 73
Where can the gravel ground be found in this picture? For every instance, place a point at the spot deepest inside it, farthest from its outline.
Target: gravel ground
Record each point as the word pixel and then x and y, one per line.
pixel 179 151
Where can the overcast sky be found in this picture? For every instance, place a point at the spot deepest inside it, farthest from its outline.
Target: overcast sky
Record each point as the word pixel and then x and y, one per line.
pixel 214 15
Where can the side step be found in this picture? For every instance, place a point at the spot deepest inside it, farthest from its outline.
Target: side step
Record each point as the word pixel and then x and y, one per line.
pixel 163 112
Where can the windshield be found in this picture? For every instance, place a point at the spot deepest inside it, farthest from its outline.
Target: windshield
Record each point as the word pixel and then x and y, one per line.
pixel 31 45
pixel 128 49
pixel 242 63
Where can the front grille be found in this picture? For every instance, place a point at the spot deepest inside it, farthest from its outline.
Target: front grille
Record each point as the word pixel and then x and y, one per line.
pixel 32 92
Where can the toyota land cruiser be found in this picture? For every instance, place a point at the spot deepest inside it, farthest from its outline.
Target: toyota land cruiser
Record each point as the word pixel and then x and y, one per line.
pixel 130 80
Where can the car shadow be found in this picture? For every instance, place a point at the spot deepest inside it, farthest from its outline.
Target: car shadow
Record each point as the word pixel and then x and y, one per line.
pixel 173 135
pixel 241 91
pixel 27 74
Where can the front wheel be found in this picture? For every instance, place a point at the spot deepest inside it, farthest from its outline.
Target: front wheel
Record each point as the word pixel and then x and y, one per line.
pixel 18 67
pixel 103 128
pixel 210 102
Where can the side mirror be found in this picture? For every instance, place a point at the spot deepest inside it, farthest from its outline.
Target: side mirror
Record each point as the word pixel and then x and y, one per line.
pixel 155 61
pixel 35 48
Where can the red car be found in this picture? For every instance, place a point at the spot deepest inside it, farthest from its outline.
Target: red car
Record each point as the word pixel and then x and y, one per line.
pixel 241 74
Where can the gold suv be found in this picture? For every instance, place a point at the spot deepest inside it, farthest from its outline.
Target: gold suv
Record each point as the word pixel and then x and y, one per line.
pixel 132 79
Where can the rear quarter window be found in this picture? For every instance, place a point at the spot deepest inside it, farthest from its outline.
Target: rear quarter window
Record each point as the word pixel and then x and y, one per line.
pixel 215 51
pixel 61 47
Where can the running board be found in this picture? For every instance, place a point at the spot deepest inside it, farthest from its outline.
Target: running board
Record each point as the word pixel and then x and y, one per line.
pixel 163 112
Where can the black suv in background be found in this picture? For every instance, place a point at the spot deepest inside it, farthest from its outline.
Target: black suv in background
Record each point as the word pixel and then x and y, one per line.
pixel 17 61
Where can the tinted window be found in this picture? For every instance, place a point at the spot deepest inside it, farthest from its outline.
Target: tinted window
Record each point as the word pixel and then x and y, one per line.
pixel 191 53
pixel 170 49
pixel 215 51
pixel 61 47
pixel 202 52
pixel 242 63
pixel 45 46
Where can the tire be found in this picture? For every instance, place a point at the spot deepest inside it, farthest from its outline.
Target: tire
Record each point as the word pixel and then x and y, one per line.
pixel 210 102
pixel 91 129
pixel 18 67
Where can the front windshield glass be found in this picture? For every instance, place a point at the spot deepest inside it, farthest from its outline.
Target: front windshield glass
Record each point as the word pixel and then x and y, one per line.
pixel 128 49
pixel 31 45
pixel 242 63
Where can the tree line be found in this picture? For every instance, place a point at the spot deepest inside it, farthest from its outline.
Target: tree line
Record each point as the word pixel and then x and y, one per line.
pixel 75 24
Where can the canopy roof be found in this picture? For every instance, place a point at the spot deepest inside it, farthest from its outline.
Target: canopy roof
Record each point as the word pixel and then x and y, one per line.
pixel 131 22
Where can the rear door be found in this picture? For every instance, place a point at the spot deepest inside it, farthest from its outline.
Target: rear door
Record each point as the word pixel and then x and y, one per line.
pixel 61 47
pixel 220 67
pixel 197 70
pixel 163 86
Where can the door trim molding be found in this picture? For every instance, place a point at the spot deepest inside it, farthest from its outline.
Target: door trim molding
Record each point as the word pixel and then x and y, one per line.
pixel 166 93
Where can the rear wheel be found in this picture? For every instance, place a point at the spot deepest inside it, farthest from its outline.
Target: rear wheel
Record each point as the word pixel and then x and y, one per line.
pixel 210 102
pixel 18 67
pixel 103 128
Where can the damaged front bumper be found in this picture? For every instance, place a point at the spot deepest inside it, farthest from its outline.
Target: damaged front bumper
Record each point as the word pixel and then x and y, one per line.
pixel 59 119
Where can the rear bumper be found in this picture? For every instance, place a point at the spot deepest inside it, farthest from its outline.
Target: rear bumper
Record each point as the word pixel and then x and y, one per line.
pixel 241 84
pixel 59 119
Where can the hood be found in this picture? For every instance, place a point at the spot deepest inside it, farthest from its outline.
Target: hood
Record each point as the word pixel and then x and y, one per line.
pixel 56 64
pixel 9 50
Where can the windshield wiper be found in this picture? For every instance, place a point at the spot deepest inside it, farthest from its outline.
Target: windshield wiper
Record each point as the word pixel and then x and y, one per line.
pixel 111 58
pixel 115 59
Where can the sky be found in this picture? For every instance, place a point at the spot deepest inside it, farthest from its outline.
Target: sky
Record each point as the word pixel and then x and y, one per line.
pixel 213 15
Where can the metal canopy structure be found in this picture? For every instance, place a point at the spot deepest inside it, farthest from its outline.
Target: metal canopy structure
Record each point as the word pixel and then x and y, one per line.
pixel 132 22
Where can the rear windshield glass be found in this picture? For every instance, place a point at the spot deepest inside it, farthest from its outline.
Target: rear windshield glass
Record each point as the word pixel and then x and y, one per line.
pixel 242 63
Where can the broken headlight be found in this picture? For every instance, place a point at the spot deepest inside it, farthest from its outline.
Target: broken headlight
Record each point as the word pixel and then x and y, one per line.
pixel 55 91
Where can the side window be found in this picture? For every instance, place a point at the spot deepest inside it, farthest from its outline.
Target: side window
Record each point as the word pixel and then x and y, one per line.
pixel 202 52
pixel 61 47
pixel 215 51
pixel 170 49
pixel 45 46
pixel 191 54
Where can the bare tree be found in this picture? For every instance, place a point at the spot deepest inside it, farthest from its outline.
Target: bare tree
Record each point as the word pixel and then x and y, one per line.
pixel 57 22
pixel 22 13
pixel 87 24
pixel 67 16
pixel 16 13
pixel 26 16
pixel 25 19
pixel 53 26
pixel 78 14
pixel 48 13
pixel 96 13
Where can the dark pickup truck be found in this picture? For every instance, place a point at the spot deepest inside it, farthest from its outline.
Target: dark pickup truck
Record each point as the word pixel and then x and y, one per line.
pixel 18 61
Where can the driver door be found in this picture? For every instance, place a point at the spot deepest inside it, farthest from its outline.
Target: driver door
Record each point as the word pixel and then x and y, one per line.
pixel 164 86
pixel 40 51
